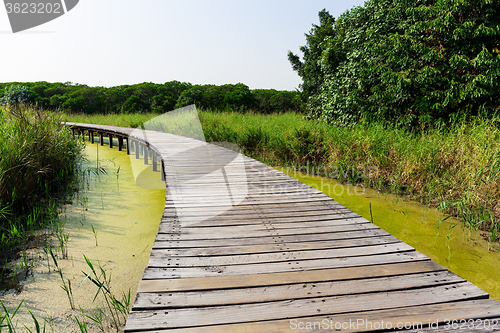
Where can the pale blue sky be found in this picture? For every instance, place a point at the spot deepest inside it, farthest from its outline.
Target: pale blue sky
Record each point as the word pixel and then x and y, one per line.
pixel 114 42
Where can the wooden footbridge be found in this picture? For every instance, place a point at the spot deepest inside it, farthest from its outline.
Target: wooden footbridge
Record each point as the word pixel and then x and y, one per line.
pixel 242 247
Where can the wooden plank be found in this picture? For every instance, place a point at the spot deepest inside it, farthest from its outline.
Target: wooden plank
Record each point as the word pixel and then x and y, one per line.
pixel 278 224
pixel 161 258
pixel 152 273
pixel 423 314
pixel 225 232
pixel 285 222
pixel 270 279
pixel 256 213
pixel 220 297
pixel 171 241
pixel 263 248
pixel 285 208
pixel 173 318
pixel 281 207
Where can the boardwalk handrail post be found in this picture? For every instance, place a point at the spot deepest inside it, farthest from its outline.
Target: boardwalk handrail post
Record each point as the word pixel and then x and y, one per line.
pixel 162 170
pixel 120 143
pixel 137 150
pixel 146 154
pixel 154 161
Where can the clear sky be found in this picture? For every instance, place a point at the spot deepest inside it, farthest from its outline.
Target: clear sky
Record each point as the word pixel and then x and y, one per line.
pixel 114 42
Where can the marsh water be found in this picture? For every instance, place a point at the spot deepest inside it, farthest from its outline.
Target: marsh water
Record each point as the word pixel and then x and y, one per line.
pixel 113 222
pixel 466 253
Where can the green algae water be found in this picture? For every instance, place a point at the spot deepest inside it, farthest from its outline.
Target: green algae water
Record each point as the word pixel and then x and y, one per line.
pixel 467 254
pixel 113 222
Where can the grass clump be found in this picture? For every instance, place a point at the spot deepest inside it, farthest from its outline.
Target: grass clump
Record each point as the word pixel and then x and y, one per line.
pixel 38 162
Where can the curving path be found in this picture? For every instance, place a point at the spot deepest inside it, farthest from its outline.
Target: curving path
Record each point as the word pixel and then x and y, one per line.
pixel 242 247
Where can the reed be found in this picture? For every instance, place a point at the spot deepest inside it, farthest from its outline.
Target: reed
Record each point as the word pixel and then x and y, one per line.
pixel 66 283
pixel 38 161
pixel 118 308
pixel 7 317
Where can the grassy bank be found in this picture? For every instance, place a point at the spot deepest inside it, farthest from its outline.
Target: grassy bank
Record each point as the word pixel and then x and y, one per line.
pixel 456 168
pixel 37 166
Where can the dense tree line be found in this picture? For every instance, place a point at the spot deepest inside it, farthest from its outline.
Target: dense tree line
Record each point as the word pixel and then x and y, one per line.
pixel 148 97
pixel 410 62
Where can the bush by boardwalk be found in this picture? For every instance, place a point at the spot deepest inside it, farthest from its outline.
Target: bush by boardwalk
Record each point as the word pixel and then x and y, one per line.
pixel 38 160
pixel 412 63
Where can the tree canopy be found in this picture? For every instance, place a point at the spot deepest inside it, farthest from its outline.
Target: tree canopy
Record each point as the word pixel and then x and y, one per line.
pixel 310 68
pixel 148 97
pixel 410 62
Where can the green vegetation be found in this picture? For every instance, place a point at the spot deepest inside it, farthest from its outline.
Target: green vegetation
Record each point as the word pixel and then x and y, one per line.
pixel 310 70
pixel 38 163
pixel 415 64
pixel 118 308
pixel 148 97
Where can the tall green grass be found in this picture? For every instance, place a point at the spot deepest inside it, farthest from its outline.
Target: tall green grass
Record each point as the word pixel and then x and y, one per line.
pixel 122 120
pixel 38 157
pixel 457 168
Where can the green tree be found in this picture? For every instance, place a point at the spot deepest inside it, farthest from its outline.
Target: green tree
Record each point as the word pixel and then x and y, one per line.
pixel 414 63
pixel 15 94
pixel 134 104
pixel 310 69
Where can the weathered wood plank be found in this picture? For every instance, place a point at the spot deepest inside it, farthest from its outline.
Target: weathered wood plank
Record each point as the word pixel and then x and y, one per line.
pixel 270 279
pixel 294 308
pixel 263 248
pixel 171 241
pixel 291 266
pixel 292 291
pixel 299 221
pixel 236 232
pixel 422 315
pixel 161 258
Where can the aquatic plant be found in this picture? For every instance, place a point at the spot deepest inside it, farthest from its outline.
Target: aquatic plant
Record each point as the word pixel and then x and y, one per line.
pixel 448 241
pixel 405 214
pixel 66 283
pixel 81 325
pixel 117 308
pixel 94 231
pixel 6 319
pixel 38 329
pixel 440 221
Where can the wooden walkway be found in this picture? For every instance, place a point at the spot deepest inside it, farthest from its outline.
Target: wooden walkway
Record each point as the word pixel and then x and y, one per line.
pixel 282 258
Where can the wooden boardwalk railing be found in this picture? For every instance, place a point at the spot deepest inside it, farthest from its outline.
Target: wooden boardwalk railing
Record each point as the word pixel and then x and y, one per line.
pixel 282 258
